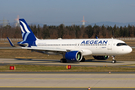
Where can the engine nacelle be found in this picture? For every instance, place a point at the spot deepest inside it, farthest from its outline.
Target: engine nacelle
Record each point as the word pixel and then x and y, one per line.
pixel 101 57
pixel 73 56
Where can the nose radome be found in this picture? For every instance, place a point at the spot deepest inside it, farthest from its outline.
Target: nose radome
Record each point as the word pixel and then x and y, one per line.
pixel 127 50
pixel 130 49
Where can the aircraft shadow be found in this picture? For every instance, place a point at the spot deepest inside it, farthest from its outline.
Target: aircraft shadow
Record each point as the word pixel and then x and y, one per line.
pixel 51 61
pixel 93 60
pixel 43 60
pixel 102 61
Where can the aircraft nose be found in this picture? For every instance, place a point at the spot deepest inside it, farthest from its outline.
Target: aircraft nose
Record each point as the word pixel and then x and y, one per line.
pixel 129 50
pixel 126 50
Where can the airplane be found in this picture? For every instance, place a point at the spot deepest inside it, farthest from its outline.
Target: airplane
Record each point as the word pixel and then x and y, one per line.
pixel 72 49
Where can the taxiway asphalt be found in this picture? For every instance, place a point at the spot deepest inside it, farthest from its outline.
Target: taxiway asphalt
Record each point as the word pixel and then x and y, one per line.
pixel 67 89
pixel 68 80
pixel 4 61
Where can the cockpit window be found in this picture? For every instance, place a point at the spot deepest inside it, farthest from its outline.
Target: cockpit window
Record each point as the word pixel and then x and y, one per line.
pixel 121 44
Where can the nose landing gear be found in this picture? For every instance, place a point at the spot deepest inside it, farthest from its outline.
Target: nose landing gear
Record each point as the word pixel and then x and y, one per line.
pixel 113 59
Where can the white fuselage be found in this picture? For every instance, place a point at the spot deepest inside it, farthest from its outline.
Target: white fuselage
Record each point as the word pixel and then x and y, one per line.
pixel 86 46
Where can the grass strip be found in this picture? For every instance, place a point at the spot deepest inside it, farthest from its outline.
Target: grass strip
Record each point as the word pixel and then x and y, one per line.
pixel 43 68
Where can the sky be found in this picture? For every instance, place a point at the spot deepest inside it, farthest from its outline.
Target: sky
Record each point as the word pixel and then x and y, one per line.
pixel 55 12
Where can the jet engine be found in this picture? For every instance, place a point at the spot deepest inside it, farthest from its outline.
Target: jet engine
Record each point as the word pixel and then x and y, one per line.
pixel 73 56
pixel 101 57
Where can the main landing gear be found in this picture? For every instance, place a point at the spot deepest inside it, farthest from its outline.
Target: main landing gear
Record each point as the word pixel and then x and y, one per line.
pixel 83 60
pixel 113 59
pixel 63 60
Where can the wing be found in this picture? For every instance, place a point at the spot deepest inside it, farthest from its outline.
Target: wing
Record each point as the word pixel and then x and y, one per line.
pixel 45 49
pixel 59 50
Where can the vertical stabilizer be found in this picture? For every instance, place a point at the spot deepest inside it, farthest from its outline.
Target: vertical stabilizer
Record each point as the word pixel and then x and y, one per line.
pixel 27 34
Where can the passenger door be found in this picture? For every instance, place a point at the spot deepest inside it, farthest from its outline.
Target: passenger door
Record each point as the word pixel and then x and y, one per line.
pixel 109 45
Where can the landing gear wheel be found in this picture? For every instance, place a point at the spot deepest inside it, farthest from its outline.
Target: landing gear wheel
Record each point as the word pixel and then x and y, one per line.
pixel 63 60
pixel 83 60
pixel 113 61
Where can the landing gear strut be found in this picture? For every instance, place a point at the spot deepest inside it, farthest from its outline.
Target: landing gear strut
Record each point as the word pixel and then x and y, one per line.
pixel 63 60
pixel 83 60
pixel 113 59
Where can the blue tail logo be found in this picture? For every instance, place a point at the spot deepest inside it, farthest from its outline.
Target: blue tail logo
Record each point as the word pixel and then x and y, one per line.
pixel 27 34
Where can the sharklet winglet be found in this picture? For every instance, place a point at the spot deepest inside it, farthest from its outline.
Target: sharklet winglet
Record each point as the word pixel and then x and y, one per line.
pixel 10 42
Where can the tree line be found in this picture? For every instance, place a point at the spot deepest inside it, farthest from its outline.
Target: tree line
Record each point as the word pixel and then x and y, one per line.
pixel 68 32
